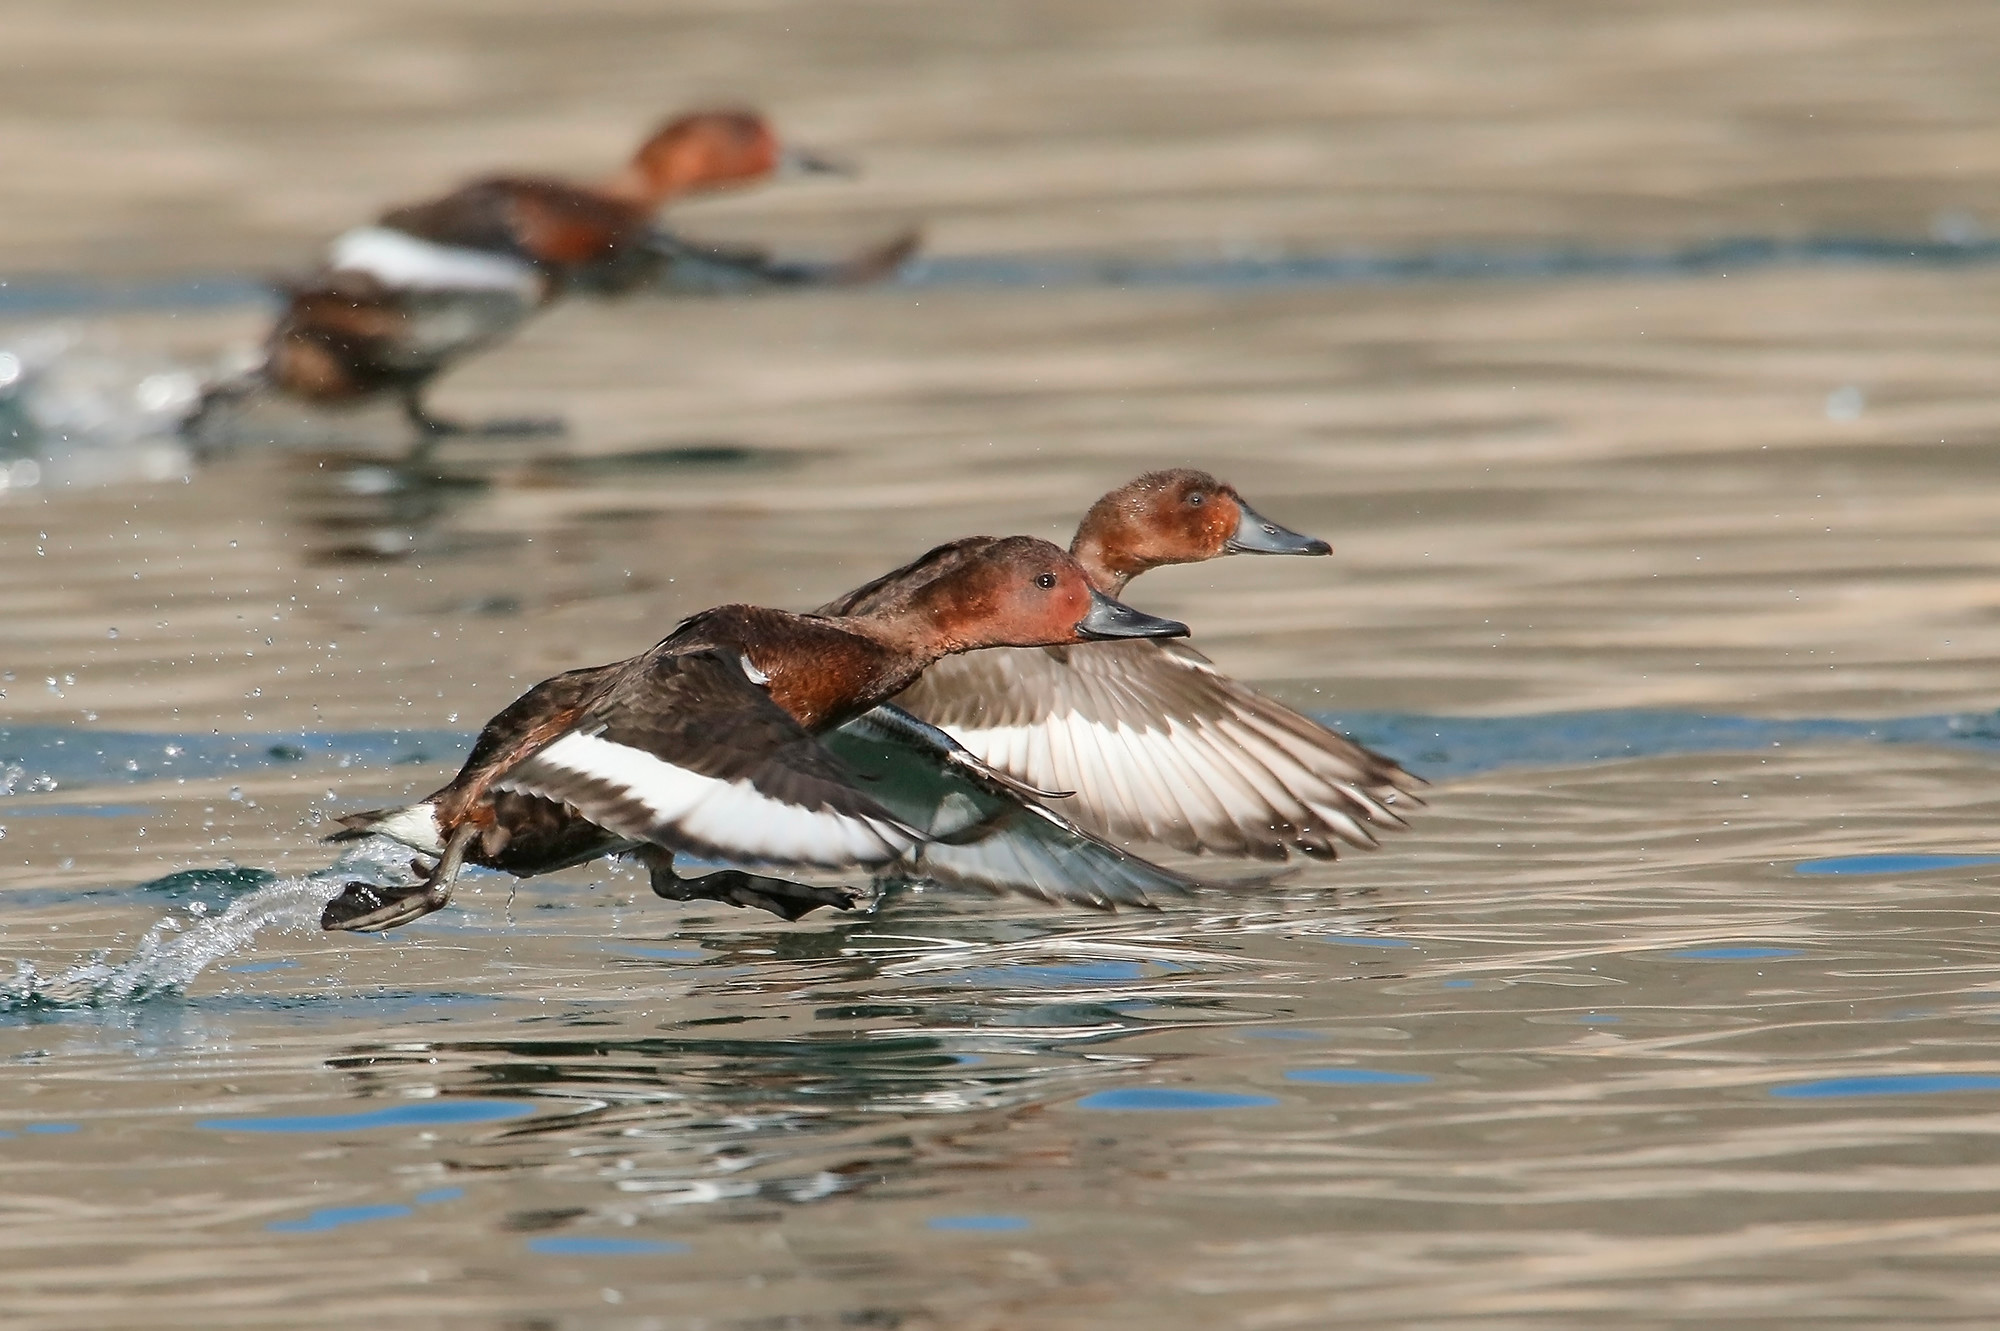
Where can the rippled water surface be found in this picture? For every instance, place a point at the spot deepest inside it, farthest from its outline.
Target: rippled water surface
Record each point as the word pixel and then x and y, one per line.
pixel 1638 362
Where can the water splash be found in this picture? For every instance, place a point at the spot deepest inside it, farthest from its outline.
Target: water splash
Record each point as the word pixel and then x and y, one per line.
pixel 180 947
pixel 76 408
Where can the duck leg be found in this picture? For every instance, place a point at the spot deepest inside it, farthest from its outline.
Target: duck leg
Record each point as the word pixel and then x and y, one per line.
pixel 436 427
pixel 364 908
pixel 786 900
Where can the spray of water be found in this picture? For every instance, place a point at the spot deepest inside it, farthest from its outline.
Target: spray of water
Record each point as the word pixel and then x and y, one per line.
pixel 178 948
pixel 78 408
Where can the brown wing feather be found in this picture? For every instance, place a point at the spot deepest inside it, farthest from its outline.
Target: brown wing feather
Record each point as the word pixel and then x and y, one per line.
pixel 682 750
pixel 576 232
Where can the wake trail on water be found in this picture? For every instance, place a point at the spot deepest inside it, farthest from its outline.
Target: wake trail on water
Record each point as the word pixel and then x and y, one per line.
pixel 180 947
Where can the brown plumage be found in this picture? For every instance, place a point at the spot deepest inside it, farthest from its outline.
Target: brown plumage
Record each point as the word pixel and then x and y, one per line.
pixel 1155 743
pixel 704 743
pixel 400 302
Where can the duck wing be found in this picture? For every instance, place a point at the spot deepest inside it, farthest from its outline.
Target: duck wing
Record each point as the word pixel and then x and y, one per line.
pixel 1161 746
pixel 527 217
pixel 685 752
pixel 696 267
pixel 983 828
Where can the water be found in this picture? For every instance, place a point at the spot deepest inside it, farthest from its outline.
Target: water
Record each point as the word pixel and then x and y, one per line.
pixel 1638 363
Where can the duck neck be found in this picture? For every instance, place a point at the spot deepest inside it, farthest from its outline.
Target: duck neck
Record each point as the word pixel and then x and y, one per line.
pixel 911 638
pixel 1107 567
pixel 641 188
pixel 827 670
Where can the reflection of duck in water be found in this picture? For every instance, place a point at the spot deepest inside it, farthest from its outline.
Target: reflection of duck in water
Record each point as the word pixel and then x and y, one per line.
pixel 365 506
pixel 706 745
pixel 1155 743
pixel 399 302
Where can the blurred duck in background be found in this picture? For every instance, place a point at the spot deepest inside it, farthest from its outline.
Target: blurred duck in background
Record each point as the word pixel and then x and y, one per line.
pixel 399 302
pixel 1150 741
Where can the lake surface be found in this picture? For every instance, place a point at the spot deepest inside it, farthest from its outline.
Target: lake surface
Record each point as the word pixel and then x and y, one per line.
pixel 1639 364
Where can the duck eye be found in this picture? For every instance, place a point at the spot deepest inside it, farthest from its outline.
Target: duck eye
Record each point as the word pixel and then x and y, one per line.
pixel 1194 500
pixel 1046 581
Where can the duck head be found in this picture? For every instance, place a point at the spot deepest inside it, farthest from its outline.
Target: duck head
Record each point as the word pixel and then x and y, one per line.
pixel 706 150
pixel 1181 516
pixel 1013 591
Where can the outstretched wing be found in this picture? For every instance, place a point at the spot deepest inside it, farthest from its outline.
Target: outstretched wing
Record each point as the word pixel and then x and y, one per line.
pixel 692 267
pixel 983 831
pixel 688 754
pixel 1158 745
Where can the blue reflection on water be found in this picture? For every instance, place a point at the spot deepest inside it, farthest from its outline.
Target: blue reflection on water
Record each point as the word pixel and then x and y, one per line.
pixel 1866 864
pixel 1451 746
pixel 414 1114
pixel 1148 1098
pixel 1361 267
pixel 1914 1083
pixel 978 1224
pixel 581 1245
pixel 336 1216
pixel 1355 1077
pixel 69 757
pixel 1364 940
pixel 52 1128
pixel 69 294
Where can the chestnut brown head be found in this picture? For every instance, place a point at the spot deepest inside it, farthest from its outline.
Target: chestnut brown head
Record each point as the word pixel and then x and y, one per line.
pixel 706 150
pixel 1017 591
pixel 1182 516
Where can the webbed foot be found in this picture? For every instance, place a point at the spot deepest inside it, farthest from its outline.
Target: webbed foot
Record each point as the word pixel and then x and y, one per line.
pixel 366 908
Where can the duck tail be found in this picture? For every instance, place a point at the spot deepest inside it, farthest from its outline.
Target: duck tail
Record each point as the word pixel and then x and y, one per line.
pixel 356 826
pixel 415 825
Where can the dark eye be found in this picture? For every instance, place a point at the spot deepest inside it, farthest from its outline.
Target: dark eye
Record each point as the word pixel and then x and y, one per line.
pixel 1047 580
pixel 1194 500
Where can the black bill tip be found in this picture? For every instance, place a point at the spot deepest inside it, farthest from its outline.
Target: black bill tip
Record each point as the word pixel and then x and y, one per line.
pixel 805 162
pixel 1115 619
pixel 1258 535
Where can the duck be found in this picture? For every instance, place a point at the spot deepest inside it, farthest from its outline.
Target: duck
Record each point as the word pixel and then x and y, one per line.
pixel 399 301
pixel 1151 741
pixel 707 745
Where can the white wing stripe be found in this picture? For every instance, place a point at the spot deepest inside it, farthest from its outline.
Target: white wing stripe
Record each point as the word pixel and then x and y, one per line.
pixel 1163 783
pixel 398 259
pixel 731 815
